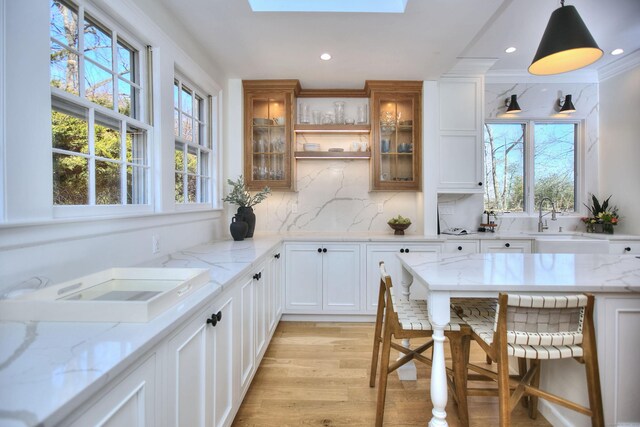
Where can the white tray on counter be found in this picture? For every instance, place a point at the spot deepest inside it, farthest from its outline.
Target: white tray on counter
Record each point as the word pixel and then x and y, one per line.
pixel 113 295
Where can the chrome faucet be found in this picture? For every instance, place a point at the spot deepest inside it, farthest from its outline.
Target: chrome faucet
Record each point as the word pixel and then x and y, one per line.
pixel 541 226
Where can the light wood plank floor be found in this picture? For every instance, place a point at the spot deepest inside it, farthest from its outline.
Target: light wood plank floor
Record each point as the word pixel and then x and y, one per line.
pixel 317 374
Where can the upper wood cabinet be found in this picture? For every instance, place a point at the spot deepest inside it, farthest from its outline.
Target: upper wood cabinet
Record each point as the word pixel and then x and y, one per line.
pixel 268 133
pixel 396 135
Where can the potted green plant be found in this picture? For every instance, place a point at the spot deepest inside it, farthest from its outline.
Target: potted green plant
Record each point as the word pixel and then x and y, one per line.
pixel 601 219
pixel 241 196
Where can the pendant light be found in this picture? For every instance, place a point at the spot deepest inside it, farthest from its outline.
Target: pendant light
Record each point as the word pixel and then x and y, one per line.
pixel 566 44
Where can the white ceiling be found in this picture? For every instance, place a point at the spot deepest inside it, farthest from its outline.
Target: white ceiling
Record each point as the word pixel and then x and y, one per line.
pixel 421 44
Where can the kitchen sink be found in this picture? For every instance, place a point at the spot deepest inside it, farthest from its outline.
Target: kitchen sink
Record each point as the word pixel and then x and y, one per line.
pixel 113 295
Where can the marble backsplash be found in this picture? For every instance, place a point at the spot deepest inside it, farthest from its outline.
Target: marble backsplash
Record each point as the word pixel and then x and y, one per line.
pixel 334 195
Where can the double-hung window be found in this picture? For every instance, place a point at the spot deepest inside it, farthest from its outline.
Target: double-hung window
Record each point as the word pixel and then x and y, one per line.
pixel 99 140
pixel 528 161
pixel 193 143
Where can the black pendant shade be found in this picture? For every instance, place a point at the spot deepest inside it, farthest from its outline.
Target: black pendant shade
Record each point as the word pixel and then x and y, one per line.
pixel 512 105
pixel 567 105
pixel 566 44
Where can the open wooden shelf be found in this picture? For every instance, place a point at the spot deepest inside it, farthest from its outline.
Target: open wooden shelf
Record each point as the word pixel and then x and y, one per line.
pixel 299 128
pixel 332 154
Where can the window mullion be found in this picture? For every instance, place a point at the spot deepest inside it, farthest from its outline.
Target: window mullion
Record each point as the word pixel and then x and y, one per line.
pixel 114 70
pixel 91 134
pixel 81 82
pixel 123 162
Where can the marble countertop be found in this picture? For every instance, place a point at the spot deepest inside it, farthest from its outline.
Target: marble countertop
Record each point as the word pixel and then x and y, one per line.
pixel 49 369
pixel 525 272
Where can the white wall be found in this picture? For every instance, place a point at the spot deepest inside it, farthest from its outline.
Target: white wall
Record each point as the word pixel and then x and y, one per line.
pixel 32 242
pixel 620 146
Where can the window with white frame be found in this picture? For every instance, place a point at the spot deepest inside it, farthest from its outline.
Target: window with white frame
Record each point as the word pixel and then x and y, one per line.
pixel 193 143
pixel 528 161
pixel 99 142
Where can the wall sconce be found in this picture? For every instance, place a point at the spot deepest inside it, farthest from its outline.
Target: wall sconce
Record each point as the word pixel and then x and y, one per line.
pixel 512 105
pixel 565 104
pixel 566 44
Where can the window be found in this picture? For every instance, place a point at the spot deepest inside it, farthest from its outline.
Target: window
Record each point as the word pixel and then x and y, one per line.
pixel 193 154
pixel 528 161
pixel 99 145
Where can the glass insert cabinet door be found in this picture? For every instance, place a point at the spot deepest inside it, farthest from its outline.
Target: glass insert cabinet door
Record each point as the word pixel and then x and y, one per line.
pixel 396 142
pixel 267 140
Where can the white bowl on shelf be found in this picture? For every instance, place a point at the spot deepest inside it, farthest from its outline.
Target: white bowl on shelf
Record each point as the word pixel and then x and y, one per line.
pixel 311 147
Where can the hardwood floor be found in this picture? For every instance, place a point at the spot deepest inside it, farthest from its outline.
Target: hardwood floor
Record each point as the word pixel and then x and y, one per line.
pixel 317 374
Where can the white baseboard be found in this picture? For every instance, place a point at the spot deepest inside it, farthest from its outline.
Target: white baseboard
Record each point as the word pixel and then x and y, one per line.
pixel 357 318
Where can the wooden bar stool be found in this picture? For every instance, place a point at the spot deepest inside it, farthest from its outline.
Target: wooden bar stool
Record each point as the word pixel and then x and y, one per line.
pixel 399 319
pixel 538 328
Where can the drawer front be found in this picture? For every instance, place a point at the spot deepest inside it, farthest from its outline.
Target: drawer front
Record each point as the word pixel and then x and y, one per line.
pixel 624 247
pixel 505 245
pixel 462 246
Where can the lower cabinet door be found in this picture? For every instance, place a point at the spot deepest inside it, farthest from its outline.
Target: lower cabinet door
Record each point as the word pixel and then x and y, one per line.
pixel 187 382
pixel 341 266
pixel 247 332
pixel 220 348
pixel 303 278
pixel 199 369
pixel 131 402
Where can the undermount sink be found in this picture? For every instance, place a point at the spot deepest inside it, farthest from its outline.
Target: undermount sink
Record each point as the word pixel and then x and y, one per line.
pixel 573 244
pixel 113 295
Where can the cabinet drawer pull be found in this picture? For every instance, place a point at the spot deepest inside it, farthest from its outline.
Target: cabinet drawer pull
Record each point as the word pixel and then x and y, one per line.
pixel 319 250
pixel 459 248
pixel 277 256
pixel 406 251
pixel 213 320
pixel 507 245
pixel 324 250
pixel 480 184
pixel 257 276
pixel 401 250
pixel 627 249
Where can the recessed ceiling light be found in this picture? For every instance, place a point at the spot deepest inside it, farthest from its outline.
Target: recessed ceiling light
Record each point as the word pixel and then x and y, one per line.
pixel 510 49
pixel 325 57
pixel 617 51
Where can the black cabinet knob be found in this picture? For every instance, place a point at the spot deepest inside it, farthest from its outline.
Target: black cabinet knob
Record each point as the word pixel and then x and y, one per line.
pixel 401 250
pixel 507 245
pixel 257 276
pixel 213 320
pixel 219 316
pixel 324 250
pixel 480 184
pixel 277 256
pixel 459 248
pixel 406 250
pixel 627 249
pixel 319 250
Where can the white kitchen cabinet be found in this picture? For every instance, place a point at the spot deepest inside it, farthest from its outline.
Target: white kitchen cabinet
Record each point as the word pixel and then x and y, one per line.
pixel 274 271
pixel 460 135
pixel 506 246
pixel 131 402
pixel 199 368
pixel 322 278
pixel 247 332
pixel 261 298
pixel 387 252
pixel 624 247
pixel 461 246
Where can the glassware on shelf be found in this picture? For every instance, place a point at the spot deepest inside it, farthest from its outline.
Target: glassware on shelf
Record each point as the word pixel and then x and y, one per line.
pixel 339 112
pixel 305 114
pixel 362 114
pixel 317 117
pixel 328 118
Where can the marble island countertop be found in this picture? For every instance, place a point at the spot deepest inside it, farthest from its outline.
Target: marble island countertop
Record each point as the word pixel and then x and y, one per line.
pixel 515 272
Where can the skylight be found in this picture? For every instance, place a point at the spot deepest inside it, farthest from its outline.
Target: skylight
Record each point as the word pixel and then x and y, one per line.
pixel 372 6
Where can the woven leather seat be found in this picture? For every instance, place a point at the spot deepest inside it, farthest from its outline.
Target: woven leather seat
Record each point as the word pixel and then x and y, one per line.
pixel 398 318
pixel 536 328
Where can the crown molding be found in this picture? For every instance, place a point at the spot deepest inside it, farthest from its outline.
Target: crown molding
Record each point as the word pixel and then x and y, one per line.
pixel 471 67
pixel 626 63
pixel 521 76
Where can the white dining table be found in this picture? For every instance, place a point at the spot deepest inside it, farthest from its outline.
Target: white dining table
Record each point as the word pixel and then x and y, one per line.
pixel 444 276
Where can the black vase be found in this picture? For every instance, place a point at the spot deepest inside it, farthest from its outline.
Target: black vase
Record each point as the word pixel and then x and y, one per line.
pixel 246 214
pixel 238 228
